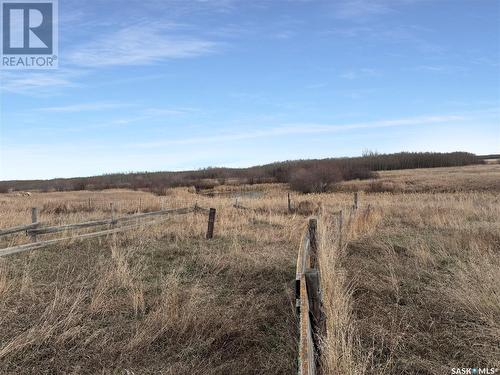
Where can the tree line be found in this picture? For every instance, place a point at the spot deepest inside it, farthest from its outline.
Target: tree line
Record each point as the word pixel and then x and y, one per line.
pixel 315 175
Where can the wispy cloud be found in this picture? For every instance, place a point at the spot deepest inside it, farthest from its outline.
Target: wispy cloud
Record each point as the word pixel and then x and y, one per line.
pixel 84 107
pixel 359 73
pixel 358 9
pixel 139 45
pixel 407 36
pixel 38 83
pixel 137 115
pixel 348 9
pixel 447 69
pixel 303 129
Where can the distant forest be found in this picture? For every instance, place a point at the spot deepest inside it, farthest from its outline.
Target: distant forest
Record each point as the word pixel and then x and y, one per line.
pixel 314 175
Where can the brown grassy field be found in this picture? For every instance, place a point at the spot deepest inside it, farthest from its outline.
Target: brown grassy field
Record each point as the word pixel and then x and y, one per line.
pixel 424 180
pixel 414 289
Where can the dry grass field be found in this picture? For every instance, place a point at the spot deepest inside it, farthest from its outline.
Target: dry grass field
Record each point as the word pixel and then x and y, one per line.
pixel 414 287
pixel 444 180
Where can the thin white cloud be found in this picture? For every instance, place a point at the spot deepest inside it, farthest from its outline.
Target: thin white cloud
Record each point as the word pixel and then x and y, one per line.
pixel 84 107
pixel 302 129
pixel 139 45
pixel 357 9
pixel 406 36
pixel 359 73
pixel 38 83
pixel 348 9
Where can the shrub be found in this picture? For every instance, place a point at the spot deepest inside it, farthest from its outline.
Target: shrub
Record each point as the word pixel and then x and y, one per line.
pixel 317 179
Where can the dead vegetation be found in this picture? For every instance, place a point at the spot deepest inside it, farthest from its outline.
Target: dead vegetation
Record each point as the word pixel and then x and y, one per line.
pixel 412 286
pixel 435 180
pixel 415 289
pixel 159 299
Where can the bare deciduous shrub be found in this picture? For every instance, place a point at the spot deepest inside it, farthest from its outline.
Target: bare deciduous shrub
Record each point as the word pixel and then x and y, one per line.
pixel 316 179
pixel 307 208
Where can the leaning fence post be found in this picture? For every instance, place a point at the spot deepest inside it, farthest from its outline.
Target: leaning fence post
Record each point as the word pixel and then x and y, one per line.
pixel 34 219
pixel 355 206
pixel 211 222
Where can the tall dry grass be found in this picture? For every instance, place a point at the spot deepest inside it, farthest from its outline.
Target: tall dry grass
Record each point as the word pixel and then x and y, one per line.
pixel 413 288
pixel 341 351
pixel 416 290
pixel 157 299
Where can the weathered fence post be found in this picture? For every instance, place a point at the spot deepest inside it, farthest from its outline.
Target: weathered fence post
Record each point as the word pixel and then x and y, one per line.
pixel 315 307
pixel 355 206
pixel 34 219
pixel 341 219
pixel 313 224
pixel 211 222
pixel 289 203
pixel 140 204
pixel 90 204
pixel 113 219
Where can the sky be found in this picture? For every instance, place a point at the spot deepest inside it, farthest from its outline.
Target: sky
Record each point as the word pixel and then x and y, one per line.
pixel 156 85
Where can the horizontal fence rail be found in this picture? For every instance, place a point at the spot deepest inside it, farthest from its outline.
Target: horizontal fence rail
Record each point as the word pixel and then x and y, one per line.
pixel 155 217
pixel 62 228
pixel 20 228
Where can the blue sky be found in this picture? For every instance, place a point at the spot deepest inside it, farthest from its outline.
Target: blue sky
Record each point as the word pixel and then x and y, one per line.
pixel 169 85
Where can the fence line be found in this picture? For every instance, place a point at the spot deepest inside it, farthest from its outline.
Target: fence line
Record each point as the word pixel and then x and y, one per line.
pixel 62 228
pixel 34 229
pixel 308 303
pixel 304 292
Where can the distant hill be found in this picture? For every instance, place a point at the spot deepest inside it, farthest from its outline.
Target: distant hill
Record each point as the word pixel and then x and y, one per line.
pixel 313 175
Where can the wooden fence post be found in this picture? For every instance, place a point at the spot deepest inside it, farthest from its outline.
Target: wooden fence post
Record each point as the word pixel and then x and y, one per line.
pixel 34 219
pixel 315 308
pixel 113 219
pixel 211 222
pixel 355 206
pixel 90 204
pixel 341 219
pixel 313 224
pixel 289 203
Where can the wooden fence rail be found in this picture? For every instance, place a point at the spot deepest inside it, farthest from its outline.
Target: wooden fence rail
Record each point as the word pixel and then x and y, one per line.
pixel 62 228
pixel 20 228
pixel 308 301
pixel 34 229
